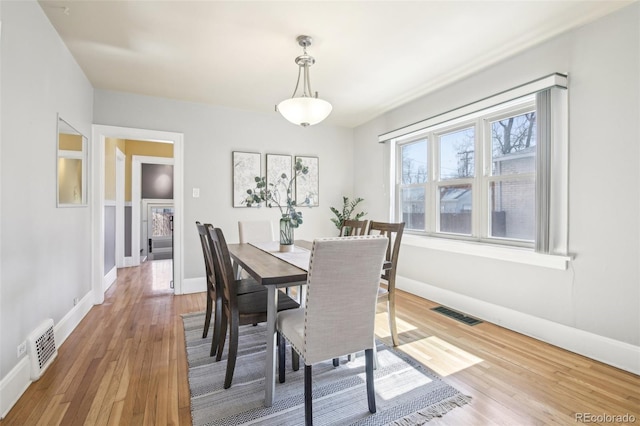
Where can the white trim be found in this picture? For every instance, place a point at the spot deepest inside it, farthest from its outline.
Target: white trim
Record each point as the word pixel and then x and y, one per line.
pixel 110 278
pixel 194 285
pixel 553 80
pixel 120 203
pixel 508 254
pixel 13 385
pixel 128 262
pixel 600 348
pixel 16 382
pixel 109 203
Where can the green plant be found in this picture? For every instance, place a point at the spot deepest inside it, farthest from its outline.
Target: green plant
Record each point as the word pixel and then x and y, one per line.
pixel 347 210
pixel 270 194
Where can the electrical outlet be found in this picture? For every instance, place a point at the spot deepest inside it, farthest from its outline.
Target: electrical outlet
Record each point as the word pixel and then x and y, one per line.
pixel 75 301
pixel 22 349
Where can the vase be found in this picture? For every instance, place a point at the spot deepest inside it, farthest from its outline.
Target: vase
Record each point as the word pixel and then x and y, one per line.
pixel 286 235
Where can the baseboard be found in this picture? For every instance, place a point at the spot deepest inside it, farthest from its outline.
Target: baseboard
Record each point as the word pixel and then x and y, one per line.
pixel 194 285
pixel 128 262
pixel 13 385
pixel 600 348
pixel 109 278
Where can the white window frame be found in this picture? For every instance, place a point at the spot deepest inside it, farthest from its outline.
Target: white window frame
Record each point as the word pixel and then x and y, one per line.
pixel 514 251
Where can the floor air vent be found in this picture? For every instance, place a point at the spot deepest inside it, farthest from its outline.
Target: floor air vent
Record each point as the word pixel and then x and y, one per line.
pixel 457 315
pixel 42 348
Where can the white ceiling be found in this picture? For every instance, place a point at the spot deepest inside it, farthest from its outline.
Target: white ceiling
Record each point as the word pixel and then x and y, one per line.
pixel 371 56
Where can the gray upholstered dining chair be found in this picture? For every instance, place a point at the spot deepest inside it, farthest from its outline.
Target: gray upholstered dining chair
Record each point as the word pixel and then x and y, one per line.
pixel 353 227
pixel 339 315
pixel 387 292
pixel 255 231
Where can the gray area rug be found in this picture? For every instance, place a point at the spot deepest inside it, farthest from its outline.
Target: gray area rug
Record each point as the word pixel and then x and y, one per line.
pixel 406 392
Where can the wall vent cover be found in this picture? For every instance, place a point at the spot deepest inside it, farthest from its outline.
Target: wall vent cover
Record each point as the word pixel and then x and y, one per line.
pixel 42 348
pixel 457 315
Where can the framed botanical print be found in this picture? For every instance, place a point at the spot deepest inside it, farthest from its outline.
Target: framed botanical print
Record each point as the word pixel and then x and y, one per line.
pixel 308 186
pixel 246 166
pixel 279 166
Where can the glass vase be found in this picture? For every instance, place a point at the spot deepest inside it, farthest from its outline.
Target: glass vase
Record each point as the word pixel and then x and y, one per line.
pixel 286 234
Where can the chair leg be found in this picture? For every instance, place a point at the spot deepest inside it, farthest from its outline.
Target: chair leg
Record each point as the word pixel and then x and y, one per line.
pixel 222 337
pixel 308 397
pixel 282 357
pixel 233 351
pixel 371 392
pixel 336 362
pixel 207 317
pixel 391 311
pixel 295 360
pixel 217 324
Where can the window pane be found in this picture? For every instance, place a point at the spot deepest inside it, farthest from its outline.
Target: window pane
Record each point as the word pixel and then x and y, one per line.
pixel 513 209
pixel 513 145
pixel 413 208
pixel 457 154
pixel 161 217
pixel 414 162
pixel 455 209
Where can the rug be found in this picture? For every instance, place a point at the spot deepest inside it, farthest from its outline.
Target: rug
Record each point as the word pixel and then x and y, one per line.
pixel 407 393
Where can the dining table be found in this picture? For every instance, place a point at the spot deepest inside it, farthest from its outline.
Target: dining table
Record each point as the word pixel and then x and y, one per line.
pixel 273 269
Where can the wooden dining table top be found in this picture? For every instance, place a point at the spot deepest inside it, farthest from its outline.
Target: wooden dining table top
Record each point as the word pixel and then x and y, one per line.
pixel 266 268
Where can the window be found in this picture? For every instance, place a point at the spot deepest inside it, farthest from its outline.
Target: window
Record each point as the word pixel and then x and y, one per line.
pixel 493 171
pixel 466 194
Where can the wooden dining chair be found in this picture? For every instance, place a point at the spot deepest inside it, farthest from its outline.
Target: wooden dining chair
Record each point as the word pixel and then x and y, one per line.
pixel 387 292
pixel 342 271
pixel 211 288
pixel 238 309
pixel 214 290
pixel 353 227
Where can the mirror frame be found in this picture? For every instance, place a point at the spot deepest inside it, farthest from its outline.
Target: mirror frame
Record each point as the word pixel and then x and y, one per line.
pixel 63 127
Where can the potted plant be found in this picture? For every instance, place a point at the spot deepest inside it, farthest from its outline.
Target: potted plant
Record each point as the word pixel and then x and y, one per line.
pixel 347 210
pixel 270 194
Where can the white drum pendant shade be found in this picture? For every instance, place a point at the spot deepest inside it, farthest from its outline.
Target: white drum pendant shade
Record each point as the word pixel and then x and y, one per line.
pixel 305 111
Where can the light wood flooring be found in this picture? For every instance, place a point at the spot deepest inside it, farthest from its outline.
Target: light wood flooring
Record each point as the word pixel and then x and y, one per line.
pixel 125 364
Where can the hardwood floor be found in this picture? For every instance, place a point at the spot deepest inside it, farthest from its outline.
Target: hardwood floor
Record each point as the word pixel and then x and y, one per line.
pixel 125 364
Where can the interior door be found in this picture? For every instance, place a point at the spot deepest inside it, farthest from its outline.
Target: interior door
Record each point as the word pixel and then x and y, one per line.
pixel 159 242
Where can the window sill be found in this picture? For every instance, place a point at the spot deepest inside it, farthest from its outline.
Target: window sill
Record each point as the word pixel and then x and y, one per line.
pixel 508 254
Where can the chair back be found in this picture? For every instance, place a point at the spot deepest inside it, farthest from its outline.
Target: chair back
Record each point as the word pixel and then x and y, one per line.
pixel 255 231
pixel 208 256
pixel 393 231
pixel 353 227
pixel 343 280
pixel 222 265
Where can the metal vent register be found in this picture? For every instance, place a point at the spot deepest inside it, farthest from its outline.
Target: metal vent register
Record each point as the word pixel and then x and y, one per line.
pixel 457 315
pixel 42 348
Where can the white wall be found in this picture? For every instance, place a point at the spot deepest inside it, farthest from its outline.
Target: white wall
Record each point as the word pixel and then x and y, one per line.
pixel 45 251
pixel 599 293
pixel 211 134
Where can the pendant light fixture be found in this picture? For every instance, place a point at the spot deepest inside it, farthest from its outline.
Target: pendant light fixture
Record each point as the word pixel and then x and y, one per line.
pixel 305 109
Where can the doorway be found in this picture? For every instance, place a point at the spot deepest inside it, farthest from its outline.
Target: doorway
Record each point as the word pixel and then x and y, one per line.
pixel 99 134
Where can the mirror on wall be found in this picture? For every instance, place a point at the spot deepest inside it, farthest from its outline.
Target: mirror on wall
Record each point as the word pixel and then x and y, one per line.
pixel 72 166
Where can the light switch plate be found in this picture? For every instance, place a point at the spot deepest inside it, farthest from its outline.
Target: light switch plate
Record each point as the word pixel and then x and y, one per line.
pixel 196 192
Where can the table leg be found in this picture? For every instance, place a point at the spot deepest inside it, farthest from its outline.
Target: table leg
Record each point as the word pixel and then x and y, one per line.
pixel 270 365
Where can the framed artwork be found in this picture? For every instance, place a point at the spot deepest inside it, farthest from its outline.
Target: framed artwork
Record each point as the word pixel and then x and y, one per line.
pixel 246 166
pixel 308 186
pixel 277 165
